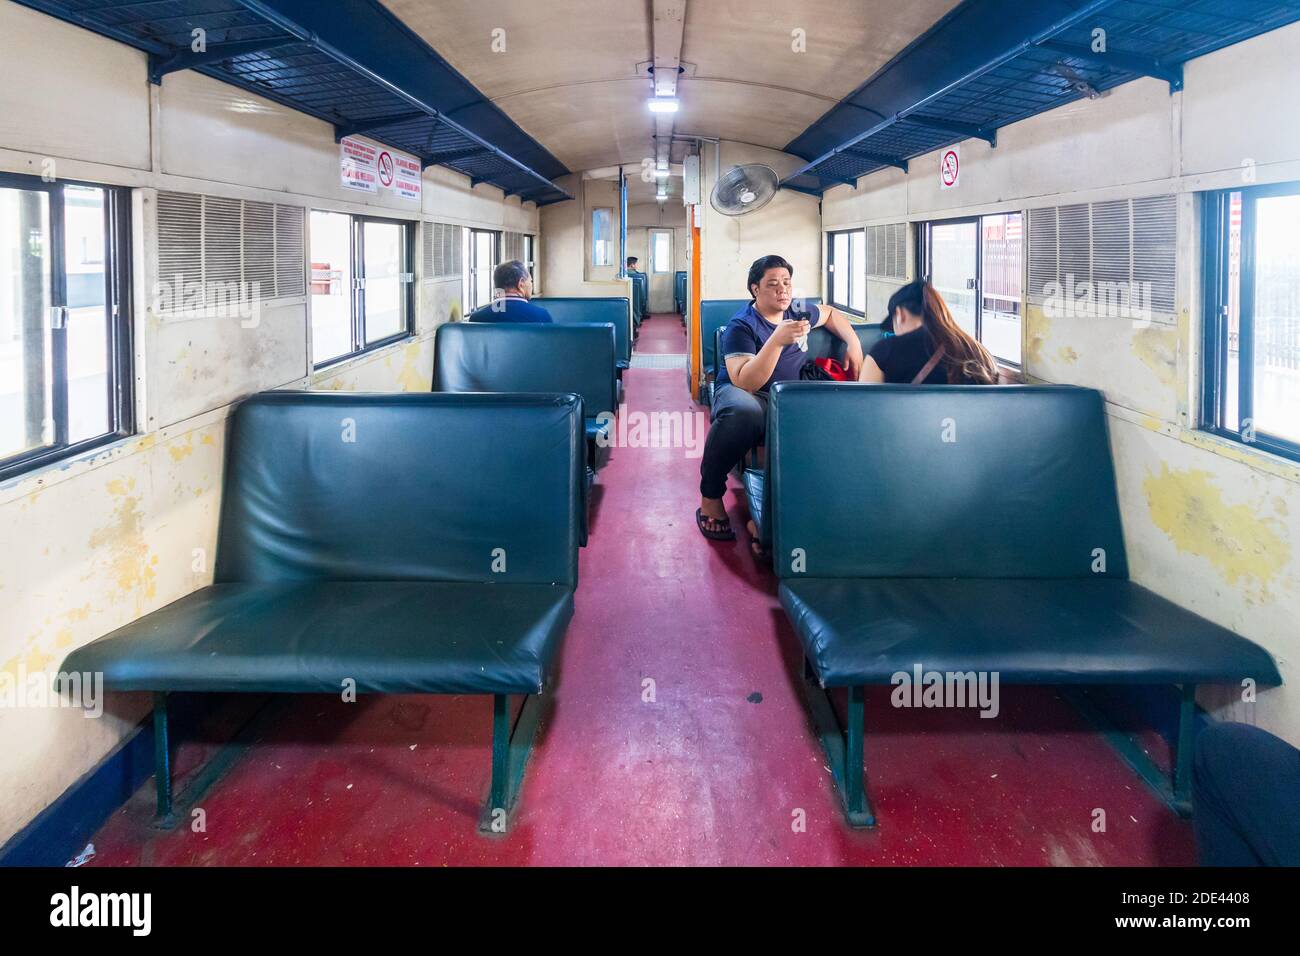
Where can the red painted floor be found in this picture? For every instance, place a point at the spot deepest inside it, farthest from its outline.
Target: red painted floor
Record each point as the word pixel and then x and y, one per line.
pixel 662 335
pixel 705 774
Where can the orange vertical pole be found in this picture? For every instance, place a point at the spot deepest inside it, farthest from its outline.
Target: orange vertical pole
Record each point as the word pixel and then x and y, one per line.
pixel 693 319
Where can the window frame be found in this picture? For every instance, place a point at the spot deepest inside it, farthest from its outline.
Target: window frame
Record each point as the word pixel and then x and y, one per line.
pixel 860 275
pixel 652 234
pixel 1216 224
pixel 356 295
pixel 117 298
pixel 925 248
pixel 468 267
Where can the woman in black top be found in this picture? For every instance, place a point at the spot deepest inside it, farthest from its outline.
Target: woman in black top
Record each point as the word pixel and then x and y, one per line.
pixel 928 347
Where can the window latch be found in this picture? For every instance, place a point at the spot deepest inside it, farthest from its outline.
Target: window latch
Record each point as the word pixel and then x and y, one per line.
pixel 58 317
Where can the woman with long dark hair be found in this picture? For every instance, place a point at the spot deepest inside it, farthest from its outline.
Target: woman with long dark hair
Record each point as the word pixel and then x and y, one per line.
pixel 928 347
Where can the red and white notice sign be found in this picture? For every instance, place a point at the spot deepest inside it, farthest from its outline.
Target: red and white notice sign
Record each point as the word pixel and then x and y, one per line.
pixel 406 179
pixel 369 168
pixel 949 168
pixel 357 165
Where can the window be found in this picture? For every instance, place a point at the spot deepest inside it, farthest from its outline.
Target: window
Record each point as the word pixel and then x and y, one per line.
pixel 975 265
pixel 602 240
pixel 661 251
pixel 530 260
pixel 846 272
pixel 1252 322
pixel 482 253
pixel 65 383
pixel 361 280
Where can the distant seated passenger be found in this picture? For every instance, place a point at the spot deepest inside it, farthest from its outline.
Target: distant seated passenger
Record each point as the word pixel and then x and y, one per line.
pixel 514 288
pixel 761 345
pixel 927 346
pixel 1246 798
pixel 631 264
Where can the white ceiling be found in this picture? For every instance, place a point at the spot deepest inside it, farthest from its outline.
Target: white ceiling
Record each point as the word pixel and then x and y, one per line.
pixel 569 72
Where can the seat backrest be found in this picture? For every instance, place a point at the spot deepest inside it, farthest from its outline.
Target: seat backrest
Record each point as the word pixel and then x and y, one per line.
pixel 576 310
pixel 962 481
pixel 821 342
pixel 349 486
pixel 715 314
pixel 524 357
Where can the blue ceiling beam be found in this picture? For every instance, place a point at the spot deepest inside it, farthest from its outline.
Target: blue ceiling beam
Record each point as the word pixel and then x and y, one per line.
pixel 968 130
pixel 361 126
pixel 364 37
pixel 975 38
pixel 1171 73
pixel 161 65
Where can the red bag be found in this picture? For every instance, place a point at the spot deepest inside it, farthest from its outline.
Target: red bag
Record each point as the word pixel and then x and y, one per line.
pixel 833 369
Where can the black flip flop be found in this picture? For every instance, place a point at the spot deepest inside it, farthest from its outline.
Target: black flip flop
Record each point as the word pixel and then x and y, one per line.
pixel 725 535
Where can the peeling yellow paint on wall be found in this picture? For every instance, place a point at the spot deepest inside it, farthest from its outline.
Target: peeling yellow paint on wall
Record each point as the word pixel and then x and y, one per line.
pixel 1188 506
pixel 1157 348
pixel 129 562
pixel 1038 327
pixel 409 378
pixel 1067 354
pixel 180 451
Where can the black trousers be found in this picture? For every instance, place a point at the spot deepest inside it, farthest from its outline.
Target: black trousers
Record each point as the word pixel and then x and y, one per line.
pixel 739 424
pixel 1246 798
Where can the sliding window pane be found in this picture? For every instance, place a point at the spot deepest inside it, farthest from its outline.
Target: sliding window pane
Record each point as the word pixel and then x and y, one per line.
pixel 953 266
pixel 26 354
pixel 1276 323
pixel 484 263
pixel 85 253
pixel 1000 269
pixel 382 252
pixel 840 256
pixel 857 277
pixel 331 285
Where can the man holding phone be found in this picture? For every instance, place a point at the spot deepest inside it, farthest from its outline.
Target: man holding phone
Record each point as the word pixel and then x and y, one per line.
pixel 764 343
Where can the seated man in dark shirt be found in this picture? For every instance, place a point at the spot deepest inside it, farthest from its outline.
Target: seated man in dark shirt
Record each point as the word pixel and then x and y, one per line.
pixel 927 346
pixel 766 342
pixel 514 288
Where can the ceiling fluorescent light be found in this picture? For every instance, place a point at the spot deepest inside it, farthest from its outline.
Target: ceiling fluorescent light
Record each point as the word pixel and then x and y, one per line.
pixel 663 104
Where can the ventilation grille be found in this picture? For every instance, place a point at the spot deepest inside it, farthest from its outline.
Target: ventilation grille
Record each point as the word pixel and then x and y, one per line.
pixel 442 250
pixel 512 246
pixel 212 249
pixel 1124 250
pixel 887 250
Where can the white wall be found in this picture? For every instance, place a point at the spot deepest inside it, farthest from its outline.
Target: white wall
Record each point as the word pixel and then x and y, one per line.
pixel 565 228
pixel 1210 524
pixel 788 226
pixel 95 543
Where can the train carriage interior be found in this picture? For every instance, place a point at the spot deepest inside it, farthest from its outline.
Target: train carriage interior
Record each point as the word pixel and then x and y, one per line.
pixel 649 433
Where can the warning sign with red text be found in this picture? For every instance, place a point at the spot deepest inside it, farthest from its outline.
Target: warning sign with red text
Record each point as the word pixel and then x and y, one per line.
pixel 373 169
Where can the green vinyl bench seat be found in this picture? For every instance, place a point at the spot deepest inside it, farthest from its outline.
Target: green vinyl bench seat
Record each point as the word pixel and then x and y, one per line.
pixel 1031 631
pixel 970 529
pixel 376 543
pixel 421 637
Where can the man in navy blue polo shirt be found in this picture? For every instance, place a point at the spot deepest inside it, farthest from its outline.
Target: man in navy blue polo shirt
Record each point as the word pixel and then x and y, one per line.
pixel 765 342
pixel 514 288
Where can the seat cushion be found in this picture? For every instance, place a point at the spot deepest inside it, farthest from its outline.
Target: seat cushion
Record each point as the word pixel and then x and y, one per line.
pixel 1031 631
pixel 390 637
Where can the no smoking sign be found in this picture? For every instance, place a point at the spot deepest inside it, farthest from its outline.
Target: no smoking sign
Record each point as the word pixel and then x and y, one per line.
pixel 385 169
pixel 949 168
